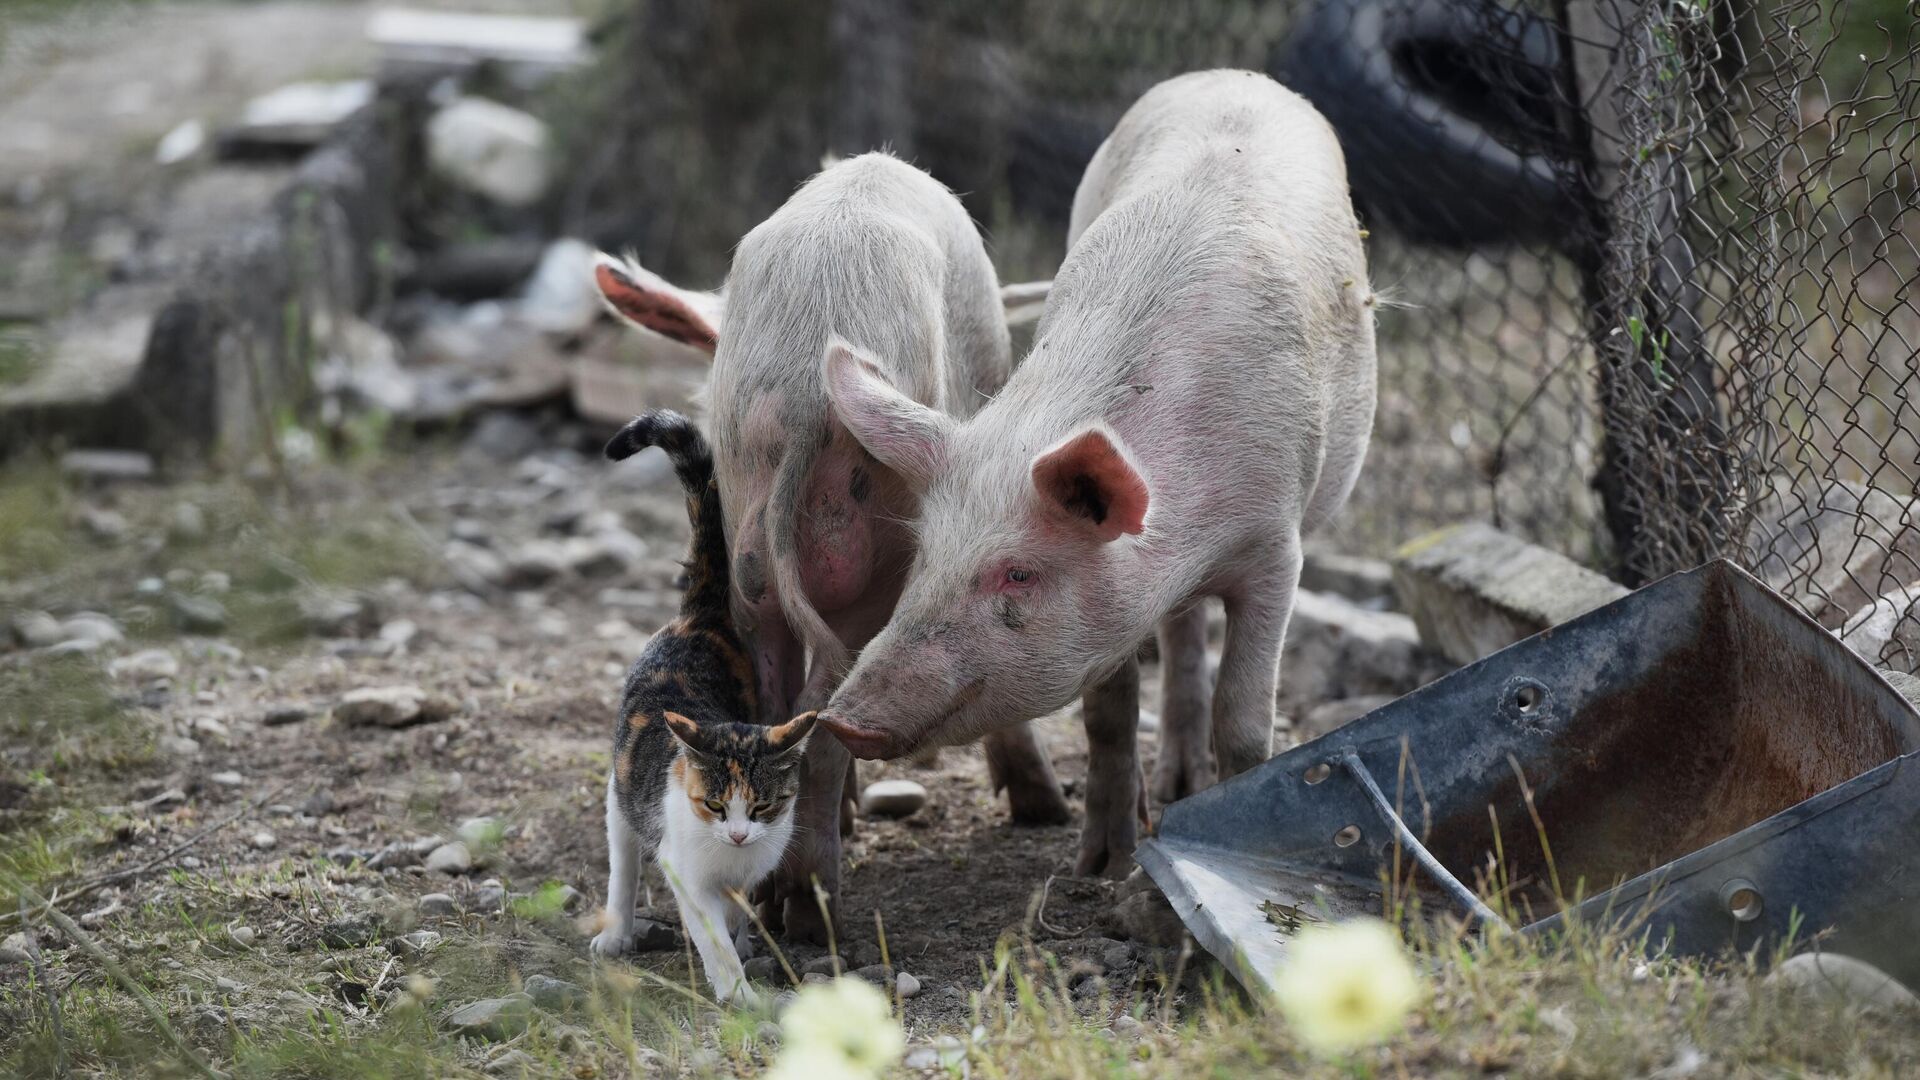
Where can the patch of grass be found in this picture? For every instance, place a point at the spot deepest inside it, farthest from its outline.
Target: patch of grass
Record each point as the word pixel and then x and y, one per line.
pixel 34 534
pixel 63 721
pixel 19 355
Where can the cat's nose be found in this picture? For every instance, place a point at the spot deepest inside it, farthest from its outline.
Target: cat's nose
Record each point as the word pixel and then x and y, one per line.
pixel 737 838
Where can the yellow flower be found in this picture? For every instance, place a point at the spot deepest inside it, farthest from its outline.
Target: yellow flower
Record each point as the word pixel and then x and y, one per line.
pixel 1346 985
pixel 841 1030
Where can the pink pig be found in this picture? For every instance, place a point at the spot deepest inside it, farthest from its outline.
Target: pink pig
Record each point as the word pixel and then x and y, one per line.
pixel 1199 396
pixel 875 251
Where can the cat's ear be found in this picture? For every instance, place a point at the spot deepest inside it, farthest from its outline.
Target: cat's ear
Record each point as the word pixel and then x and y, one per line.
pixel 789 740
pixel 687 732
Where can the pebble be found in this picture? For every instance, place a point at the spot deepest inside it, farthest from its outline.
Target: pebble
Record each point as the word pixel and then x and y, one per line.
pixel 187 525
pixel 263 840
pixel 318 804
pixel 652 935
pixel 228 986
pixel 418 943
pixel 475 568
pixel 282 715
pixel 394 856
pixel 91 626
pixel 228 778
pixel 906 985
pixel 14 949
pixel 1837 977
pixel 436 905
pixel 351 931
pixel 480 832
pixel 513 1063
pixel 107 526
pixel 399 632
pixel 178 746
pixel 37 630
pixel 150 586
pixel 1126 1027
pixel 211 728
pixel 243 936
pixel 490 897
pixel 892 798
pixel 828 965
pixel 764 969
pixel 216 582
pixel 390 707
pixel 107 464
pixel 768 1033
pixel 491 1018
pixel 535 563
pixel 551 993
pixel 197 614
pixel 145 665
pixel 451 858
pixel 331 614
pixel 814 978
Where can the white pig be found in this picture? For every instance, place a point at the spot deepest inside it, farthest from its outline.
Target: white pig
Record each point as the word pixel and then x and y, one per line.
pixel 1199 396
pixel 875 251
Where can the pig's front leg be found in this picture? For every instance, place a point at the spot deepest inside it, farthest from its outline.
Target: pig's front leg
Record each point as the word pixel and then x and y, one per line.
pixel 1116 792
pixel 1017 762
pixel 1186 703
pixel 814 852
pixel 1257 611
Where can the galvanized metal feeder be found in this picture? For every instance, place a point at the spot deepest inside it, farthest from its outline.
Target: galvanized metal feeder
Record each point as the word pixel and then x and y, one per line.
pixel 1706 762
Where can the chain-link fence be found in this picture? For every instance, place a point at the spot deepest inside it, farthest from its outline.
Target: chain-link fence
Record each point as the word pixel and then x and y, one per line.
pixel 1651 264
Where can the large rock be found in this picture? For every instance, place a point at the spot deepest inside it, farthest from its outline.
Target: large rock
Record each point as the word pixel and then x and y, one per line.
pixel 1836 977
pixel 1888 628
pixel 494 1018
pixel 1473 590
pixel 491 149
pixel 1337 649
pixel 1907 685
pixel 1358 578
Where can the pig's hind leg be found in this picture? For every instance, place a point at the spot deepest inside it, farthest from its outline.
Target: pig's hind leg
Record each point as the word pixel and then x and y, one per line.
pixel 1116 792
pixel 1017 762
pixel 1258 607
pixel 1185 763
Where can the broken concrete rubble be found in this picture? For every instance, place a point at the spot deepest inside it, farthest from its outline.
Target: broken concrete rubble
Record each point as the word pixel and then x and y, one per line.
pixel 1887 629
pixel 1473 590
pixel 1337 649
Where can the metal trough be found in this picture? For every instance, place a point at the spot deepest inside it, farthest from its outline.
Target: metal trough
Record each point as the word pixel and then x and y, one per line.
pixel 1705 761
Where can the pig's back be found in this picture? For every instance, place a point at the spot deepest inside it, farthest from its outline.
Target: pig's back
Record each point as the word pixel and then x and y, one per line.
pixel 1218 212
pixel 900 269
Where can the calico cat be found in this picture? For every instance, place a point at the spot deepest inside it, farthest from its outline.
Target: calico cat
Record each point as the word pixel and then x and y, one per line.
pixel 694 783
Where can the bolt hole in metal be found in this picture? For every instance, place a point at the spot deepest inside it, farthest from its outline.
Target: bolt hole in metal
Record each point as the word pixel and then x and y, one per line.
pixel 1347 837
pixel 1317 773
pixel 1527 698
pixel 1742 899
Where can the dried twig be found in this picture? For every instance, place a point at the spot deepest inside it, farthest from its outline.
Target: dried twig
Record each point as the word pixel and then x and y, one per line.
pixel 98 882
pixel 54 1022
pixel 1040 914
pixel 147 1005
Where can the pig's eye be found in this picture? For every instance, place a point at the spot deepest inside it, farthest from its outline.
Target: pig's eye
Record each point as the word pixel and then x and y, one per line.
pixel 1019 575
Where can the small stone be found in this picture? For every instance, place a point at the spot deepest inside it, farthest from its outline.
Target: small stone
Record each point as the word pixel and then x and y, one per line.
pixel 351 931
pixel 37 630
pixel 210 728
pixel 480 832
pixel 892 798
pixel 390 707
pixel 14 949
pixel 197 614
pixel 263 840
pixel 1126 1027
pixel 878 974
pixel 150 586
pixel 906 985
pixel 436 905
pixel 282 715
pixel 1837 977
pixel 921 1058
pixel 474 567
pixel 215 583
pixel 768 1033
pixel 1116 957
pixel 228 778
pixel 451 858
pixel 399 632
pixel 492 1018
pixel 106 526
pixel 551 993
pixel 814 978
pixel 512 1063
pixel 243 936
pixel 652 935
pixel 318 804
pixel 229 986
pixel 535 563
pixel 394 856
pixel 178 746
pixel 145 666
pixel 491 149
pixel 417 943
pixel 107 464
pixel 490 897
pixel 188 524
pixel 764 969
pixel 91 626
pixel 828 965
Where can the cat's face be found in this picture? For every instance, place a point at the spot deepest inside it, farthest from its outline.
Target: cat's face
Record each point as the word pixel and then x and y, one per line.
pixel 740 780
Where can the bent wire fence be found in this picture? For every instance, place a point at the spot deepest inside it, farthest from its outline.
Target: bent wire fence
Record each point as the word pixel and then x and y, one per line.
pixel 1652 264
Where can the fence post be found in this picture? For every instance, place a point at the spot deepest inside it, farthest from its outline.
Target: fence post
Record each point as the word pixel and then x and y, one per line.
pixel 1663 475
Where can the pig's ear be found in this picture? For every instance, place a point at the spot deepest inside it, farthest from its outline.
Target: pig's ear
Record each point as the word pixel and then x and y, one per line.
pixel 1090 479
pixel 646 300
pixel 903 434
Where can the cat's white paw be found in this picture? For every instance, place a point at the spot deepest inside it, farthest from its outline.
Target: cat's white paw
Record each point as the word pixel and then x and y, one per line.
pixel 740 995
pixel 612 942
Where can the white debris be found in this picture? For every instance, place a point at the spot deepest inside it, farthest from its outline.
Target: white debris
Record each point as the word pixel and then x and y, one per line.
pixel 490 149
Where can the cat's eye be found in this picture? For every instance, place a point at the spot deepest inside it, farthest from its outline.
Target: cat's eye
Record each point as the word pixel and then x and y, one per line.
pixel 762 811
pixel 718 807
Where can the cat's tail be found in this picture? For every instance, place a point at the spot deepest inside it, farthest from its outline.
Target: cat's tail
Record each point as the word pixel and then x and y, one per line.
pixel 707 567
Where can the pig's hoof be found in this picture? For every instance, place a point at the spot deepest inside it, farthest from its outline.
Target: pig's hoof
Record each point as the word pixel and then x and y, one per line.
pixel 1106 853
pixel 1177 776
pixel 1038 804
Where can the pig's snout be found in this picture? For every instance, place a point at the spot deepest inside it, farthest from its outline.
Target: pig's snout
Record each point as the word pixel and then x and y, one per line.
pixel 866 743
